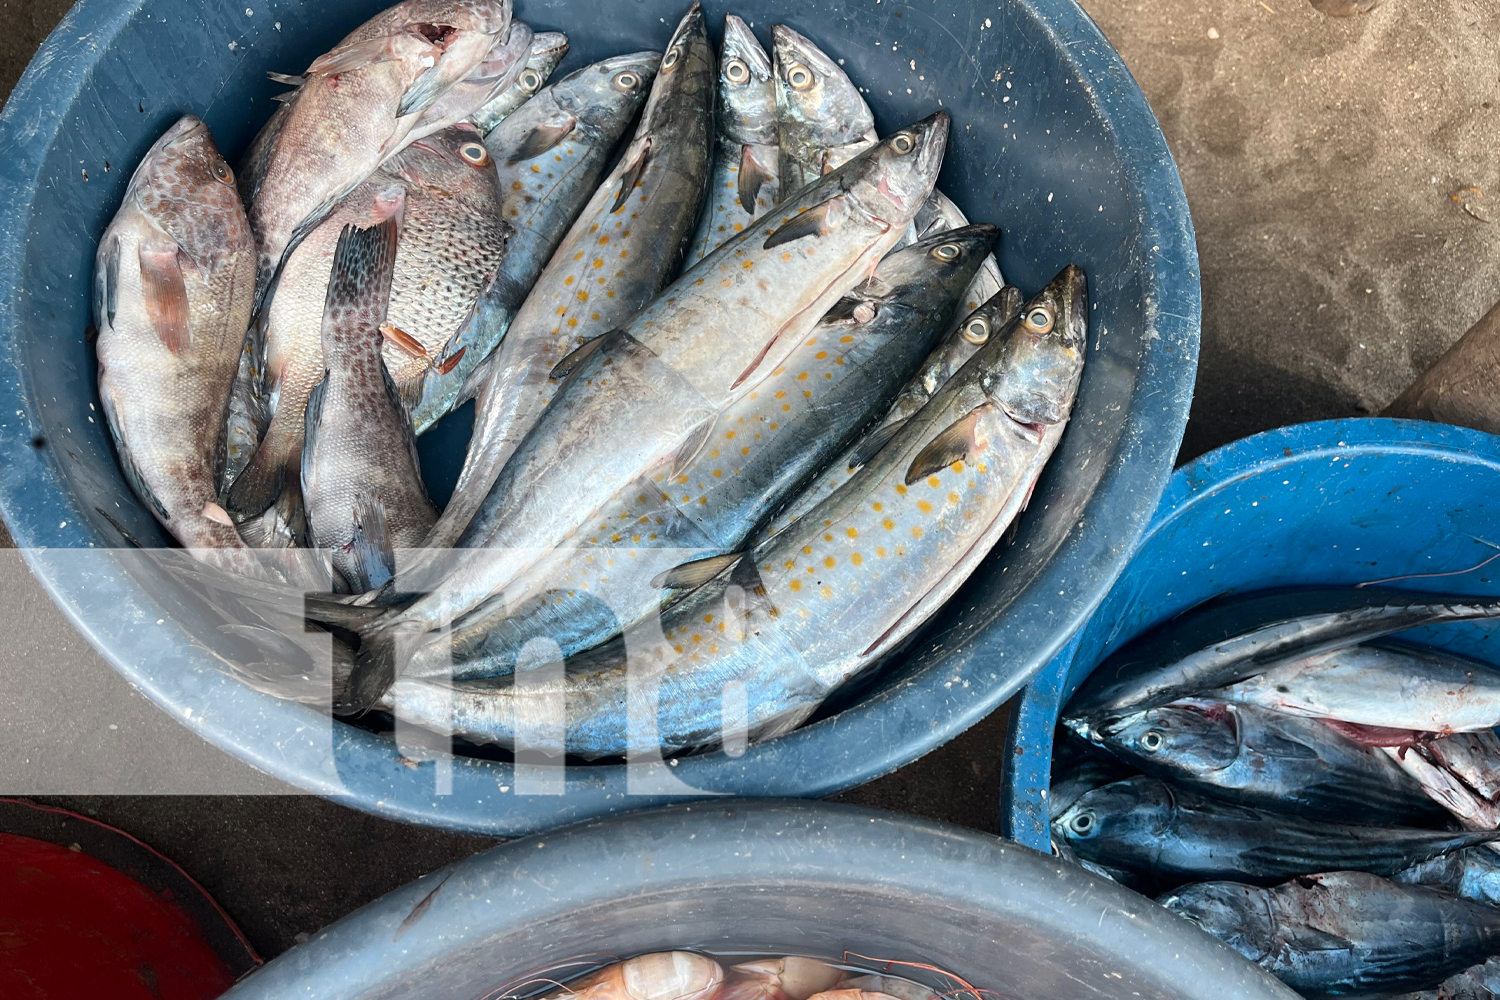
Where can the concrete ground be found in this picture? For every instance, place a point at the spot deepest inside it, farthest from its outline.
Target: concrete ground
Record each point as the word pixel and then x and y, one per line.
pixel 1345 189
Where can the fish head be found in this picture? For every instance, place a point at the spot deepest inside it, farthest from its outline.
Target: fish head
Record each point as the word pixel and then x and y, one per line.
pixel 815 95
pixel 490 17
pixel 942 265
pixel 747 87
pixel 1190 738
pixel 450 164
pixel 1135 810
pixel 186 188
pixel 1239 915
pixel 687 66
pixel 890 180
pixel 1043 354
pixel 605 96
pixel 547 50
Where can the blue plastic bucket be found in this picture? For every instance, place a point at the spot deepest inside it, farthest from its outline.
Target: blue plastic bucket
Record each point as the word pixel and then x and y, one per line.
pixel 1052 139
pixel 1335 502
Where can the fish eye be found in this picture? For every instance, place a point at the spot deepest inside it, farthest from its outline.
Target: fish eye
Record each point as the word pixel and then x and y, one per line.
pixel 977 330
pixel 627 81
pixel 531 81
pixel 671 59
pixel 222 171
pixel 948 251
pixel 903 142
pixel 735 71
pixel 1151 741
pixel 799 77
pixel 1083 823
pixel 1039 320
pixel 474 153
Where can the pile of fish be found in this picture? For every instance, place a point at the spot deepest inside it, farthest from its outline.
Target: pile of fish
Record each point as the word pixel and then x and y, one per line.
pixel 1320 797
pixel 688 975
pixel 752 397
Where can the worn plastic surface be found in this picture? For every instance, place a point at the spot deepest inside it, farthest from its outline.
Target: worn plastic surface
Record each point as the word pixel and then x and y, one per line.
pixel 1334 502
pixel 1053 140
pixel 763 877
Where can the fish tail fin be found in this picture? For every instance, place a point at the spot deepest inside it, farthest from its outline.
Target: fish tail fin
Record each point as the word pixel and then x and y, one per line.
pixel 371 551
pixel 259 486
pixel 375 669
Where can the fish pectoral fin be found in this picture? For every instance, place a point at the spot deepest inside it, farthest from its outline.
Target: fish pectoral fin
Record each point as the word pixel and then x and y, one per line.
pixel 817 221
pixel 872 444
pixel 402 340
pixel 958 442
pixel 447 363
pixel 541 139
pixel 570 364
pixel 107 285
pixel 692 447
pixel 370 547
pixel 286 98
pixel 286 78
pixel 753 175
pixel 165 293
pixel 694 574
pixel 350 56
pixel 634 171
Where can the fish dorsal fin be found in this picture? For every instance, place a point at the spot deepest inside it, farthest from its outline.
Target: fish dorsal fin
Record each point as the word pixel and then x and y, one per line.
pixel 694 574
pixel 753 176
pixel 165 292
pixel 632 176
pixel 872 443
pixel 541 139
pixel 958 442
pixel 569 364
pixel 312 420
pixel 816 221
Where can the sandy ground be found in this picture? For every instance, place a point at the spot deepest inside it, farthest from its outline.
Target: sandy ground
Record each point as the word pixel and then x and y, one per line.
pixel 1321 157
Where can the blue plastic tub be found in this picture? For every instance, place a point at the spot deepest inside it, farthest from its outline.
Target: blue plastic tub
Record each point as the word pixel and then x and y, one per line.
pixel 1052 139
pixel 1335 502
pixel 764 878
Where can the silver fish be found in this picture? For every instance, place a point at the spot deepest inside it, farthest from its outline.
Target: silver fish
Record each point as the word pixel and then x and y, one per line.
pixel 547 50
pixel 657 387
pixel 173 285
pixel 1172 835
pixel 1344 934
pixel 1473 873
pixel 823 120
pixel 357 106
pixel 764 642
pixel 361 478
pixel 774 439
pixel 550 155
pixel 946 359
pixel 452 243
pixel 1260 758
pixel 1386 685
pixel 745 180
pixel 1473 757
pixel 623 248
pixel 1228 640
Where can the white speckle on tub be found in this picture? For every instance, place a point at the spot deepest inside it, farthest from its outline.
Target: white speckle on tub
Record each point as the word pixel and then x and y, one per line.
pixel 249 12
pixel 1049 195
pixel 1007 84
pixel 987 22
pixel 1005 100
pixel 64 524
pixel 912 63
pixel 908 90
pixel 1101 208
pixel 234 46
pixel 1213 33
pixel 277 25
pixel 841 62
pixel 162 621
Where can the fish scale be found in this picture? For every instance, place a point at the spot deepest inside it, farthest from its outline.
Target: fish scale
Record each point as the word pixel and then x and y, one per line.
pixel 770 442
pixel 612 262
pixel 765 641
pixel 539 205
